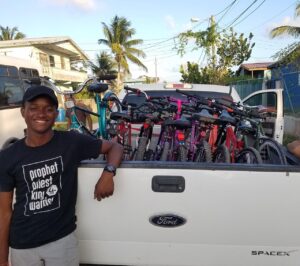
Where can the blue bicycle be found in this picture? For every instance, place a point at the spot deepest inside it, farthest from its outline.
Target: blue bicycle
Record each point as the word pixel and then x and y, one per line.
pixel 105 104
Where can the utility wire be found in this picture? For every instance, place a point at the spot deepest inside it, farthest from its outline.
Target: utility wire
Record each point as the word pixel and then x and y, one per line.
pixel 229 7
pixel 249 14
pixel 276 15
pixel 241 14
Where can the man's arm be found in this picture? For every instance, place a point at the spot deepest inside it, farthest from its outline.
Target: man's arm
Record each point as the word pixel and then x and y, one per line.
pixel 5 220
pixel 294 148
pixel 105 185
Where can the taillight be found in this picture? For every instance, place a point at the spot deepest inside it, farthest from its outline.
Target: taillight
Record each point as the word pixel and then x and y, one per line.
pixel 181 136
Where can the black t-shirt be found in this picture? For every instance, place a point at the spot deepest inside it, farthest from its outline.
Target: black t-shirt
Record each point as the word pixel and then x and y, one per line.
pixel 45 179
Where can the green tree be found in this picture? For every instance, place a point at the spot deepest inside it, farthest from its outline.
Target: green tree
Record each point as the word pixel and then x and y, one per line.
pixel 118 37
pixel 105 65
pixel 292 51
pixel 223 50
pixel 286 29
pixel 7 34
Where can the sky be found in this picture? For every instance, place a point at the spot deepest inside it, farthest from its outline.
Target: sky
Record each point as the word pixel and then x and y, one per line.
pixel 156 23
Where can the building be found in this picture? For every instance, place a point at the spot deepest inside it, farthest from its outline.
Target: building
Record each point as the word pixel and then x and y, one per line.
pixel 59 58
pixel 255 70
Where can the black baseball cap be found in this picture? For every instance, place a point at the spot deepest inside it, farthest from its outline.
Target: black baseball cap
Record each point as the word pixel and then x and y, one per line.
pixel 37 91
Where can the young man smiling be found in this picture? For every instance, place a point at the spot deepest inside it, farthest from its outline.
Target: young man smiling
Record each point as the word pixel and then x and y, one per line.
pixel 42 169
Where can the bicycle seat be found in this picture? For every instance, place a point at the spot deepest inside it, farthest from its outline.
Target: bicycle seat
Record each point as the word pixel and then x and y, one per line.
pixel 204 116
pixel 119 115
pixel 97 87
pixel 225 117
pixel 179 123
pixel 246 128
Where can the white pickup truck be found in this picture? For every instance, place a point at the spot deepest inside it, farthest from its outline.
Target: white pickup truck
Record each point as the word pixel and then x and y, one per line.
pixel 184 214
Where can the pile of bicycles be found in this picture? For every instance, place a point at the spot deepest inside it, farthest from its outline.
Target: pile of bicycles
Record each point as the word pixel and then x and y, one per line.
pixel 196 129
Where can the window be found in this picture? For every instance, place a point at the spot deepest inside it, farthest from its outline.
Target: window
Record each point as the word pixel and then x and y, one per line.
pixel 44 60
pixel 8 71
pixel 52 61
pixel 11 92
pixel 26 73
pixel 264 99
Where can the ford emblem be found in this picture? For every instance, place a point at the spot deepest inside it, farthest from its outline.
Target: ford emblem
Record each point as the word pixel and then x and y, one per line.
pixel 167 220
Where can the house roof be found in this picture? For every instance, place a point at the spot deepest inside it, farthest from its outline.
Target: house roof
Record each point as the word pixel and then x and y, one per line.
pixel 51 43
pixel 256 66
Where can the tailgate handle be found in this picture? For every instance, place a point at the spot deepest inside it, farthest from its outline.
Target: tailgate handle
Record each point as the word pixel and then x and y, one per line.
pixel 167 183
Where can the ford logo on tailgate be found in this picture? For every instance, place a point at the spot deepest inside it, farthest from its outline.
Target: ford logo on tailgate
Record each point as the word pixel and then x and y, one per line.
pixel 167 220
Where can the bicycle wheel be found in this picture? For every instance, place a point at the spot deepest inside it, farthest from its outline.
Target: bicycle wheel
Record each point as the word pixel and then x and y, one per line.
pixel 271 152
pixel 249 156
pixel 165 152
pixel 222 154
pixel 181 154
pixel 141 149
pixel 203 153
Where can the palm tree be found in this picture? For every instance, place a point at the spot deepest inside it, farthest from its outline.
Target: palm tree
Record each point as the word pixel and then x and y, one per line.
pixel 10 34
pixel 290 52
pixel 291 30
pixel 119 39
pixel 105 65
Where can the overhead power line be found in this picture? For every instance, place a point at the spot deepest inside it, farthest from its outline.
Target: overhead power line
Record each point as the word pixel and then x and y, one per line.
pixel 241 14
pixel 249 14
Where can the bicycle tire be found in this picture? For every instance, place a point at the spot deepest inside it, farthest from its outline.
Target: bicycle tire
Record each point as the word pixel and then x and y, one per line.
pixel 271 152
pixel 165 152
pixel 203 153
pixel 249 156
pixel 141 149
pixel 181 154
pixel 222 154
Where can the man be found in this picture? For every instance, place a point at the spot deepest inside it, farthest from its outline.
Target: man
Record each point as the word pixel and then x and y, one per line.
pixel 42 168
pixel 83 117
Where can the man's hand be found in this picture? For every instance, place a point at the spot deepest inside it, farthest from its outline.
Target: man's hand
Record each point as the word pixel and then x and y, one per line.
pixel 105 186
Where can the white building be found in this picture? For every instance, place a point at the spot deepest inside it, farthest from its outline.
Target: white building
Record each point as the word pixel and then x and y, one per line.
pixel 57 57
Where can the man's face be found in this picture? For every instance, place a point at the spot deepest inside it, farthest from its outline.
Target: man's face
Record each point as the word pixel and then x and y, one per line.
pixel 39 115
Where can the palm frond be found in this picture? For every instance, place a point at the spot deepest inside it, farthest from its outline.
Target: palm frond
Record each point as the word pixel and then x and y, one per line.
pixel 290 30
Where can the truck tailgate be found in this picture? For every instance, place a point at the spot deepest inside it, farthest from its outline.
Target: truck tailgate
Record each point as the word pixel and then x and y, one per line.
pixel 230 216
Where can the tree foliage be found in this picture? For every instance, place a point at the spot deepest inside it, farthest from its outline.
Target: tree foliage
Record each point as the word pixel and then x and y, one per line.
pixel 7 34
pixel 287 29
pixel 223 51
pixel 119 38
pixel 105 65
pixel 291 52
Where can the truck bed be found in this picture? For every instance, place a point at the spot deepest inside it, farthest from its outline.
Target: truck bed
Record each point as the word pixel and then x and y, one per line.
pixel 191 214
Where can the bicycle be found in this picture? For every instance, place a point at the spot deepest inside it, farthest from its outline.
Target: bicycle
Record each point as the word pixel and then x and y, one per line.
pixel 254 145
pixel 104 109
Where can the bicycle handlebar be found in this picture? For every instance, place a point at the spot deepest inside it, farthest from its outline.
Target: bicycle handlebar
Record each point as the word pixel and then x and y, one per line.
pixel 48 82
pixel 136 91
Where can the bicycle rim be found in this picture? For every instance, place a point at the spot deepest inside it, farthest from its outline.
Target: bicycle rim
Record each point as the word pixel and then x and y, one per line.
pixel 271 152
pixel 203 153
pixel 249 156
pixel 222 154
